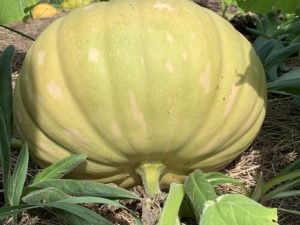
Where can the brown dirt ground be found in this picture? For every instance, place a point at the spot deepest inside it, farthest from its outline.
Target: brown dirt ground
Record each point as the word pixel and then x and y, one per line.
pixel 277 144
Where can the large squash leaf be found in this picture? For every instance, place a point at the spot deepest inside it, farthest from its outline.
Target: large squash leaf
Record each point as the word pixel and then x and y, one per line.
pixel 13 10
pixel 237 209
pixel 264 6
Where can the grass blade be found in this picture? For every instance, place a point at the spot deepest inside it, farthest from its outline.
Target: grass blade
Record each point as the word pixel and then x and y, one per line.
pixel 279 179
pixel 59 168
pixel 86 188
pixel 4 155
pixel 264 47
pixel 292 166
pixel 288 82
pixel 69 218
pixel 17 180
pixel 295 212
pixel 286 194
pixel 171 208
pixel 6 90
pixel 257 193
pixel 282 188
pixel 13 210
pixel 80 211
pixel 281 55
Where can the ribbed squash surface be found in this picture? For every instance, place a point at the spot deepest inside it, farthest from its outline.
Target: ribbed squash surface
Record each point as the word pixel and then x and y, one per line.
pixel 128 82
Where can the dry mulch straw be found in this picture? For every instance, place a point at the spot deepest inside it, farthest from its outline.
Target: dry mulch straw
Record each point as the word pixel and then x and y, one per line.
pixel 277 144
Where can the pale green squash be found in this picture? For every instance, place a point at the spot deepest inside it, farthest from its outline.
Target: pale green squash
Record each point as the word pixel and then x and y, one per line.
pixel 140 84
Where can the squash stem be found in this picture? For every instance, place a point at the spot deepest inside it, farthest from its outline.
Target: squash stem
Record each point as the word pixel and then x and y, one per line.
pixel 16 143
pixel 150 174
pixel 169 215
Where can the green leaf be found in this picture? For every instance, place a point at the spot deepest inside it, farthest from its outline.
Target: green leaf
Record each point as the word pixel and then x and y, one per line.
pixel 286 194
pixel 6 89
pixel 59 168
pixel 81 200
pixel 80 211
pixel 296 102
pixel 230 2
pixel 259 6
pixel 14 210
pixel 172 205
pixel 86 188
pixel 295 212
pixel 70 218
pixel 256 5
pixel 44 196
pixel 50 194
pixel 237 209
pixel 17 180
pixel 292 166
pixel 198 190
pixel 54 198
pixel 288 82
pixel 4 154
pixel 88 199
pixel 280 189
pixel 281 55
pixel 288 6
pixel 13 11
pixel 217 178
pixel 264 47
pixel 280 179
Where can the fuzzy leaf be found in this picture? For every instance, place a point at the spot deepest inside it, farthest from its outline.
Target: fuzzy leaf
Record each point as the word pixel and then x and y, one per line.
pixel 237 209
pixel 59 168
pixel 88 215
pixel 288 83
pixel 14 210
pixel 198 190
pixel 17 180
pixel 44 196
pixel 86 188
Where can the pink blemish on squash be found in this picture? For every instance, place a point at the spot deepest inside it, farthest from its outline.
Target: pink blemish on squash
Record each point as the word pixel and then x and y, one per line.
pixel 204 78
pixel 231 99
pixel 142 60
pixel 70 132
pixel 163 6
pixel 137 114
pixel 169 66
pixel 94 55
pixel 46 147
pixel 184 56
pixel 41 57
pixel 54 90
pixel 170 37
pixel 115 128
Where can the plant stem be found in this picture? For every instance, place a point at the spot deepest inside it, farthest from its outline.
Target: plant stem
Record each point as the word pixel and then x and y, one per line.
pixel 16 143
pixel 18 32
pixel 150 174
pixel 169 215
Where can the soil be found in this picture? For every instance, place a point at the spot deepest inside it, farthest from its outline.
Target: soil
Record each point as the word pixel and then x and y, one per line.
pixel 277 144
